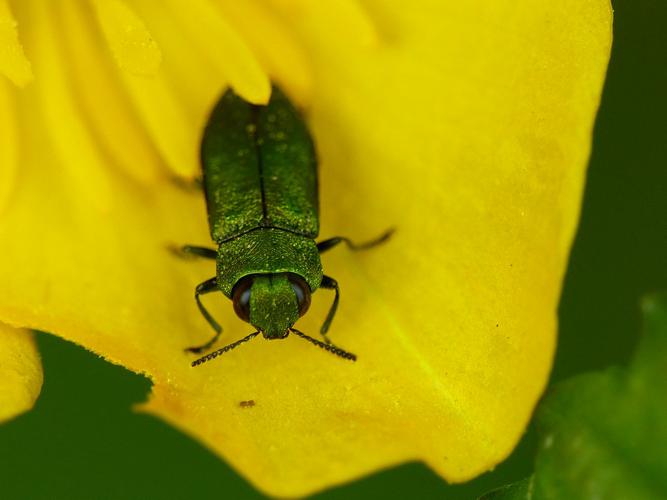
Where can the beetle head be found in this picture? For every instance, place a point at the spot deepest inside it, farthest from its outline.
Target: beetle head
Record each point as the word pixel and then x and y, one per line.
pixel 271 302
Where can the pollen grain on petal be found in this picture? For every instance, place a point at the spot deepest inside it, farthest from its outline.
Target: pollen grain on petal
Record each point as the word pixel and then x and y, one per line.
pixel 13 62
pixel 130 41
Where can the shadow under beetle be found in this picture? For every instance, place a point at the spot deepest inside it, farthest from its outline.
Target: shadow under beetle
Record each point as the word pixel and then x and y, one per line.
pixel 260 182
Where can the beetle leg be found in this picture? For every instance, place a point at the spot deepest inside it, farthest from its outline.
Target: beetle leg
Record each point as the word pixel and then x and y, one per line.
pixel 325 245
pixel 331 284
pixel 208 286
pixel 188 251
pixel 207 253
pixel 196 184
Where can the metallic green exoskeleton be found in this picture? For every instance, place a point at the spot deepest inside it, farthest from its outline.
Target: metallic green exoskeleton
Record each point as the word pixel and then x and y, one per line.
pixel 260 181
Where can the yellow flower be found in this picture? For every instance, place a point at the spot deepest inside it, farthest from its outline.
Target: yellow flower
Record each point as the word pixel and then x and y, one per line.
pixel 467 127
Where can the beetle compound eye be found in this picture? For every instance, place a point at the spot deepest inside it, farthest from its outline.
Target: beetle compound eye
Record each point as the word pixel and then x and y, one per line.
pixel 241 298
pixel 302 292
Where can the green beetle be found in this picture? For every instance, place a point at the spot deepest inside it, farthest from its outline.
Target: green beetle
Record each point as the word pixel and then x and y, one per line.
pixel 260 182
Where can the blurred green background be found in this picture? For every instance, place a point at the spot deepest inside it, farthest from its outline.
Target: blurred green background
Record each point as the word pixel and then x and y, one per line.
pixel 81 441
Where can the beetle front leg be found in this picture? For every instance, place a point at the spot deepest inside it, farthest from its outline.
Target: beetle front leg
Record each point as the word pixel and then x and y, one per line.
pixel 330 284
pixel 325 245
pixel 208 286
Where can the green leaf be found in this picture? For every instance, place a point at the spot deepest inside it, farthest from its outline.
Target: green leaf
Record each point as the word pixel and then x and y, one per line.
pixel 604 435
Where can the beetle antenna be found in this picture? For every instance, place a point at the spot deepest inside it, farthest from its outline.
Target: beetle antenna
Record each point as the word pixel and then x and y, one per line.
pixel 223 350
pixel 327 347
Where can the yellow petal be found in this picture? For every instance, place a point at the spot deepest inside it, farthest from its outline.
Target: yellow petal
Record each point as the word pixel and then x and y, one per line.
pixel 82 163
pixel 131 43
pixel 20 372
pixel 467 129
pixel 8 144
pixel 163 116
pixel 275 46
pixel 13 63
pixel 117 128
pixel 211 34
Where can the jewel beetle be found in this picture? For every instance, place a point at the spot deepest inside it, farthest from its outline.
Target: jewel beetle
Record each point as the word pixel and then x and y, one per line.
pixel 259 174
